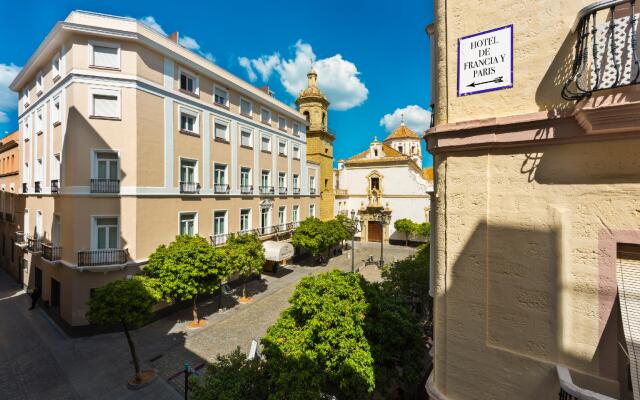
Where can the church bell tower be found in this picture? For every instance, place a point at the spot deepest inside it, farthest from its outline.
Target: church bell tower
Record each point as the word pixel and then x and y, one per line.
pixel 313 104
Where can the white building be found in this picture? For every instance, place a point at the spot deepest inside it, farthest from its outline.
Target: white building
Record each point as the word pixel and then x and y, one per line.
pixel 387 178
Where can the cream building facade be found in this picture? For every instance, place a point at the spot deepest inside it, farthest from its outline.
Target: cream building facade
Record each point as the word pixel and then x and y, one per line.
pixel 536 231
pixel 11 204
pixel 128 139
pixel 387 178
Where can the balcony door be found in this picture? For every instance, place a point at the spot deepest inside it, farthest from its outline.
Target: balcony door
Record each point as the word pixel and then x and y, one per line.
pixel 106 233
pixel 55 231
pixel 38 232
pixel 264 219
pixel 107 164
pixel 188 171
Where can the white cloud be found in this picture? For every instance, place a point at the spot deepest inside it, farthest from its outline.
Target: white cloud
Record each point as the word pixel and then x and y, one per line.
pixel 185 41
pixel 153 24
pixel 337 78
pixel 8 98
pixel 415 117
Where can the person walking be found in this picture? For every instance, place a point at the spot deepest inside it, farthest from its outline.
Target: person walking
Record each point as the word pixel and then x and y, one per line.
pixel 35 296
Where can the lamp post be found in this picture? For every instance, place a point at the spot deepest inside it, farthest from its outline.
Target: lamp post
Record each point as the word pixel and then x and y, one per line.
pixel 356 226
pixel 383 219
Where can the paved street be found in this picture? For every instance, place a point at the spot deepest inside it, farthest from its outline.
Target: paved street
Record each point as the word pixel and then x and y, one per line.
pixel 37 360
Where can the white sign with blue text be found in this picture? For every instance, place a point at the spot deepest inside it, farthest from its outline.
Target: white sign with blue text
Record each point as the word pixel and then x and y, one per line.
pixel 485 61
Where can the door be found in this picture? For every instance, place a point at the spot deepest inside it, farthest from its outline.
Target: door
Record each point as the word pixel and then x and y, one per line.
pixel 38 278
pixel 55 296
pixel 374 230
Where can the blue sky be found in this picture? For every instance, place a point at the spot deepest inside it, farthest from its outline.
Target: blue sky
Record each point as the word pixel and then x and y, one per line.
pixel 371 56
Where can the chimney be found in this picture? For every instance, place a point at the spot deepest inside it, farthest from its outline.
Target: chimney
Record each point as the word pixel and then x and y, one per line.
pixel 174 36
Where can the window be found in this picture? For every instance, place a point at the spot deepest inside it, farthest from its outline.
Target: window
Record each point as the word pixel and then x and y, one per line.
pixel 296 152
pixel 245 219
pixel 282 123
pixel 25 97
pixel 55 171
pixel 188 121
pixel 107 165
pixel 105 55
pixel 245 107
pixel 282 179
pixel 106 232
pixel 188 82
pixel 219 222
pixel 221 97
pixel 55 110
pixel 400 148
pixel 264 218
pixel 312 210
pixel 188 171
pixel 245 177
pixel 39 169
pixel 188 224
pixel 221 131
pixel 25 222
pixel 375 183
pixel 39 232
pixel 265 178
pixel 282 148
pixel 296 129
pixel 27 128
pixel 266 143
pixel 55 66
pixel 296 181
pixel 105 103
pixel 282 219
pixel 245 138
pixel 39 121
pixel 39 84
pixel 219 174
pixel 294 214
pixel 312 182
pixel 265 116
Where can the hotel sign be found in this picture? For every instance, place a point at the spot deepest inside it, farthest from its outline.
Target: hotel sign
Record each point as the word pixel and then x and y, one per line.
pixel 485 61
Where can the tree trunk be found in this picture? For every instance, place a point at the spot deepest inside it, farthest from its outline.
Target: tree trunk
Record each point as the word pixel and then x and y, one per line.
pixel 244 287
pixel 132 349
pixel 194 309
pixel 406 239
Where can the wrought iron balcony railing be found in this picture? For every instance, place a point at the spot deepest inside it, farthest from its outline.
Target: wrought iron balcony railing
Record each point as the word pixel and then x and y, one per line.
pixel 34 244
pixel 189 187
pixel 266 189
pixel 606 49
pixel 55 186
pixel 51 252
pixel 296 190
pixel 91 258
pixel 312 191
pixel 282 190
pixel 37 188
pixel 105 186
pixel 220 189
pixel 246 189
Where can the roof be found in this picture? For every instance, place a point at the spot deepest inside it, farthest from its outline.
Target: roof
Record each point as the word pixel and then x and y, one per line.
pixel 402 132
pixel 427 173
pixel 390 154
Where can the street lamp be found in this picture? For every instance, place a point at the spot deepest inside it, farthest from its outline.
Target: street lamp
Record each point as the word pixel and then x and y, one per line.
pixel 356 226
pixel 383 219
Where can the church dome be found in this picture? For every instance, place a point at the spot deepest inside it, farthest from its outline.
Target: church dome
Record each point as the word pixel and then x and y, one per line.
pixel 312 91
pixel 402 132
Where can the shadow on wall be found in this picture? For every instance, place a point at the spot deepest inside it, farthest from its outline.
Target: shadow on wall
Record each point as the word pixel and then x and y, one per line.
pixel 511 305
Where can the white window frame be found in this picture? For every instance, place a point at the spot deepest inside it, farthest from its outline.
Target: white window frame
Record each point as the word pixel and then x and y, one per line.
pixel 249 218
pixel 296 129
pixel 296 181
pixel 282 175
pixel 295 213
pixel 262 110
pixel 250 132
pixel 94 230
pixel 226 99
pixel 95 159
pixel 193 76
pixel 250 107
pixel 25 96
pixel 55 167
pixel 56 115
pixel 268 177
pixel 195 221
pixel 312 181
pixel 249 174
pixel 196 177
pixel 262 137
pixel 105 92
pixel 224 123
pixel 27 126
pixel 226 222
pixel 282 126
pixel 93 43
pixel 283 144
pixel 55 70
pixel 312 210
pixel 284 215
pixel 192 113
pixel 296 151
pixel 224 170
pixel 39 84
pixel 39 120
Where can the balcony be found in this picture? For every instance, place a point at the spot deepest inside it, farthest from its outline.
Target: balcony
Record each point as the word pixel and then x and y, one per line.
pixel 605 50
pixel 25 188
pixel 296 190
pixel 51 252
pixel 37 188
pixel 55 189
pixel 105 186
pixel 92 258
pixel 220 239
pixel 282 190
pixel 266 189
pixel 189 187
pixel 266 230
pixel 220 189
pixel 21 238
pixel 312 191
pixel 34 244
pixel 246 189
pixel 571 391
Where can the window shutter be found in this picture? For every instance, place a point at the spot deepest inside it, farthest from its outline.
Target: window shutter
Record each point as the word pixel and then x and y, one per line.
pixel 105 106
pixel 628 277
pixel 221 131
pixel 105 57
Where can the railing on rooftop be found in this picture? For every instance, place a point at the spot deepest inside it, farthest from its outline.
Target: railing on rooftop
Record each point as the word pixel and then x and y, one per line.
pixel 606 49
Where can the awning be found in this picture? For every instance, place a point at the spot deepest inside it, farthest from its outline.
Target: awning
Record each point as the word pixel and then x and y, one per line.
pixel 277 251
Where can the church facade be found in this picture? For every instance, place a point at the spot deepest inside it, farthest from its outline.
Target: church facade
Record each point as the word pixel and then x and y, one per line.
pixel 386 178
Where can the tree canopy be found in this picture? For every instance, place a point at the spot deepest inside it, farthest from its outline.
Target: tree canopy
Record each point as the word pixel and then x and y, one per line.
pixel 245 255
pixel 311 235
pixel 406 226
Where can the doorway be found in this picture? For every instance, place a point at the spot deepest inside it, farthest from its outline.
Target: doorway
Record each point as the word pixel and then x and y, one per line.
pixel 37 281
pixel 374 230
pixel 55 296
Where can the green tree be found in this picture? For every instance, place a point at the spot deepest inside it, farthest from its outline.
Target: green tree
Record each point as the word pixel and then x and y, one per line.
pixel 405 226
pixel 127 302
pixel 424 229
pixel 246 256
pixel 232 377
pixel 311 235
pixel 187 267
pixel 335 232
pixel 409 279
pixel 318 345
